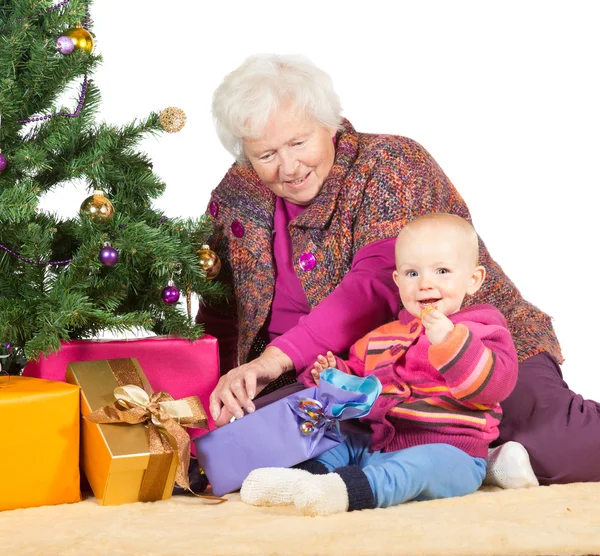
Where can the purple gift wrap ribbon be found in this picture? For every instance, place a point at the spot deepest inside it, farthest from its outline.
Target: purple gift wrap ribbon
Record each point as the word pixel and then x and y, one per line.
pixel 313 422
pixel 311 411
pixel 340 396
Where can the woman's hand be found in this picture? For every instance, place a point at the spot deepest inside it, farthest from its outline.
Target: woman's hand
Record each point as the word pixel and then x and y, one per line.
pixel 323 362
pixel 238 387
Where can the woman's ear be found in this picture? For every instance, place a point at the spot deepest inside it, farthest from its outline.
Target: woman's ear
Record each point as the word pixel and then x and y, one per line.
pixel 476 280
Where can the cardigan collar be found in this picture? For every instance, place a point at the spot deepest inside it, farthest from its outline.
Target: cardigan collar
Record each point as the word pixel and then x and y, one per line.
pixel 321 209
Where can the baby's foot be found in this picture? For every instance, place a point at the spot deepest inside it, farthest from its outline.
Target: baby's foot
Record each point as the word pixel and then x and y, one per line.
pixel 271 486
pixel 509 467
pixel 321 495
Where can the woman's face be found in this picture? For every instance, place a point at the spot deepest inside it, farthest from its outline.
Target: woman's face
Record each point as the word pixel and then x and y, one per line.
pixel 293 156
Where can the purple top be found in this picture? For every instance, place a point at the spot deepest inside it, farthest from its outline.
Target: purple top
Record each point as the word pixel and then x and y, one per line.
pixel 333 325
pixel 289 300
pixel 364 300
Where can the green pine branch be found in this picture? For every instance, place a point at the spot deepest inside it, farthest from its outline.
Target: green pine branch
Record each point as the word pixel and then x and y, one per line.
pixel 43 304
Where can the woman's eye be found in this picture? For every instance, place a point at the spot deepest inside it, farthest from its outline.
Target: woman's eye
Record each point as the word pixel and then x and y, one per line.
pixel 266 157
pixel 298 143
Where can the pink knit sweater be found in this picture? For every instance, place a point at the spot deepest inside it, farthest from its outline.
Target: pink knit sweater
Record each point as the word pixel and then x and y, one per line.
pixel 448 393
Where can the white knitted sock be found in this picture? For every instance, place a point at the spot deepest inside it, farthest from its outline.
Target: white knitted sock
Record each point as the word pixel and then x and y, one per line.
pixel 321 495
pixel 271 486
pixel 509 467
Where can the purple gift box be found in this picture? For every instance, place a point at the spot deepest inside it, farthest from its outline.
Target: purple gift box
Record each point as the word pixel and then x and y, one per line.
pixel 289 431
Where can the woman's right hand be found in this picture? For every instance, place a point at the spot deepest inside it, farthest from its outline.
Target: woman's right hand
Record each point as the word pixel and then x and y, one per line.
pixel 236 389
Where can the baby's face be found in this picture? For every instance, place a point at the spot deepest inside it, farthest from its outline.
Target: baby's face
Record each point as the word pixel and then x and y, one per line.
pixel 433 267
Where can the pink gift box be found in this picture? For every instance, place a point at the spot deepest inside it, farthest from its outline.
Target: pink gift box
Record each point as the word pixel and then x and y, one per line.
pixel 177 366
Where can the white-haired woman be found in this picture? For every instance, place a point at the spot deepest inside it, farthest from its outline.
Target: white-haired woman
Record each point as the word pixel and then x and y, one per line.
pixel 304 223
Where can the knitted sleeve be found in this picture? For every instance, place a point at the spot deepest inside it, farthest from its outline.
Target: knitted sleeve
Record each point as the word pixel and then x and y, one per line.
pixel 479 368
pixel 220 318
pixel 400 181
pixel 219 240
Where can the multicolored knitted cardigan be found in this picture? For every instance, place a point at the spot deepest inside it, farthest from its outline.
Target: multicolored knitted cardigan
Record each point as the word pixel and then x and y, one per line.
pixel 377 184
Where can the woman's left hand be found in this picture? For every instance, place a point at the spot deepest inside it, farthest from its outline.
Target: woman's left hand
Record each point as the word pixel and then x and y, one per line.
pixel 236 389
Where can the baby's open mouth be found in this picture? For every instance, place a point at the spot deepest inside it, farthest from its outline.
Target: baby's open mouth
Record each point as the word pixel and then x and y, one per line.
pixel 426 302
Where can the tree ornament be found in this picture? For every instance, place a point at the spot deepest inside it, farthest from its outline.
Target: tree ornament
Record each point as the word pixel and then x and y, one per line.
pixel 108 255
pixel 170 294
pixel 97 207
pixel 209 262
pixel 5 351
pixel 81 38
pixel 65 45
pixel 188 299
pixel 3 163
pixel 172 119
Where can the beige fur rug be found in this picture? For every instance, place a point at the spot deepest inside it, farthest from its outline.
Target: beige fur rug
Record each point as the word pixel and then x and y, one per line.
pixel 561 519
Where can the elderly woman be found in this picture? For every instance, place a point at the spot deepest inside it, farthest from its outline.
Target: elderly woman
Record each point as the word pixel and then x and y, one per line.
pixel 305 222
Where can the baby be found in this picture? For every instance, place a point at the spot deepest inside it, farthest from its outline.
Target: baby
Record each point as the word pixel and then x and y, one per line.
pixel 444 371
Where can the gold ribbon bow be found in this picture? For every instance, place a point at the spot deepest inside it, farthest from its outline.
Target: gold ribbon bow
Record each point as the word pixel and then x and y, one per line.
pixel 161 412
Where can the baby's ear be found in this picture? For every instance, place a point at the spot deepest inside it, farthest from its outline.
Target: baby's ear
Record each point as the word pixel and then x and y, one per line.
pixel 477 278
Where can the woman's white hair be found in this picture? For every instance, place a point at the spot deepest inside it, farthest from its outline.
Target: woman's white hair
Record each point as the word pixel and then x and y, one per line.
pixel 247 97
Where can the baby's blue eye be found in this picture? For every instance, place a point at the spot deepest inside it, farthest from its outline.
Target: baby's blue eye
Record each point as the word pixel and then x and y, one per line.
pixel 412 273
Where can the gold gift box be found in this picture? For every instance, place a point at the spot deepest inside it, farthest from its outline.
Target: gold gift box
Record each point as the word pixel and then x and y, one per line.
pixel 115 457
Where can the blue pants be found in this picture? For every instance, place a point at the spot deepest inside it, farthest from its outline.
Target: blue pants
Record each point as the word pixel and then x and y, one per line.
pixel 418 473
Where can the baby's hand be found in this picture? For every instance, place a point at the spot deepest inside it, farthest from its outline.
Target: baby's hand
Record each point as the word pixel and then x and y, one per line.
pixel 321 364
pixel 437 326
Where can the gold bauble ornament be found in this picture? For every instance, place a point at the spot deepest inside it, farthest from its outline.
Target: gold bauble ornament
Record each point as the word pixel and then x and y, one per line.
pixel 172 119
pixel 97 207
pixel 81 38
pixel 209 262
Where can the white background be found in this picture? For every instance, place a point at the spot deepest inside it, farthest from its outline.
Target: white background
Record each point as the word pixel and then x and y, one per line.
pixel 505 95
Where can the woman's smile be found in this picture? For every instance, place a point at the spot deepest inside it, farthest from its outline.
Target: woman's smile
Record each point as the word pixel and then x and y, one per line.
pixel 298 183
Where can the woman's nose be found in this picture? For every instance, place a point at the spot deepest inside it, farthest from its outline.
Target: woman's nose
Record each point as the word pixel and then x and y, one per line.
pixel 289 163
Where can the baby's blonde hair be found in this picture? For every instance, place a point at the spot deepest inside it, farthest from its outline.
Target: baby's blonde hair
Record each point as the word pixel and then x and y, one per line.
pixel 448 221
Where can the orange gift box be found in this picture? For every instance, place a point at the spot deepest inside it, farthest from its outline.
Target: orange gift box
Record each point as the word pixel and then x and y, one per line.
pixel 118 458
pixel 39 436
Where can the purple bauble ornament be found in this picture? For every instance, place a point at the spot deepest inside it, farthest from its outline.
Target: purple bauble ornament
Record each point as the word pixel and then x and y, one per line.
pixel 65 45
pixel 108 255
pixel 170 294
pixel 3 163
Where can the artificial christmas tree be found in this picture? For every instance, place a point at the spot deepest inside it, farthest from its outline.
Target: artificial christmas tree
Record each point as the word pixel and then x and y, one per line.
pixel 118 264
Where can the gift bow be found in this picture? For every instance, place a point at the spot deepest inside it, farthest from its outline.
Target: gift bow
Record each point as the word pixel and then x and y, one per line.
pixel 339 396
pixel 160 411
pixel 311 410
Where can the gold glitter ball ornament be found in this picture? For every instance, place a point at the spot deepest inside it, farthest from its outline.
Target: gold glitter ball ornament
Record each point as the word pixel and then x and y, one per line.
pixel 209 262
pixel 81 38
pixel 172 119
pixel 97 207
